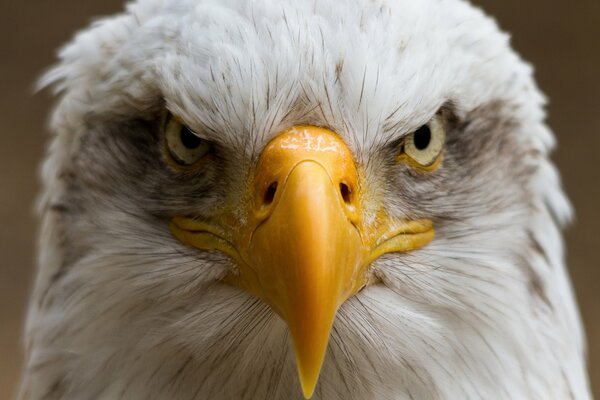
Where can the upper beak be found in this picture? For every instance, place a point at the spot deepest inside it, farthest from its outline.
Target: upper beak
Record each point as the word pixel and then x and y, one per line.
pixel 305 248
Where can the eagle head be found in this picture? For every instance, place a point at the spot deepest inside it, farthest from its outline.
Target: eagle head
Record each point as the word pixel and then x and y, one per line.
pixel 284 199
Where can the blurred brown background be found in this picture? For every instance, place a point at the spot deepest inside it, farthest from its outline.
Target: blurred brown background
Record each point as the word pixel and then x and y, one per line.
pixel 562 39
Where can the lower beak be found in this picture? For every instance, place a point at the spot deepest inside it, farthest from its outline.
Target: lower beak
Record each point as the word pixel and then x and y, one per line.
pixel 305 249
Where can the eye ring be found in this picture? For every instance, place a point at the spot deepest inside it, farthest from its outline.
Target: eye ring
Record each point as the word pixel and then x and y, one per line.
pixel 423 148
pixel 184 147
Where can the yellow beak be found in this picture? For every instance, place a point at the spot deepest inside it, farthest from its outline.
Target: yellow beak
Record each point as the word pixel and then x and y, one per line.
pixel 304 248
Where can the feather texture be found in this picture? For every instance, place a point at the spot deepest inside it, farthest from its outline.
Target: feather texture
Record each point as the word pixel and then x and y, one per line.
pixel 122 310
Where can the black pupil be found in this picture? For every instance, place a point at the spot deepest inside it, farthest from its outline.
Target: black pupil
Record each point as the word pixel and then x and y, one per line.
pixel 422 137
pixel 188 139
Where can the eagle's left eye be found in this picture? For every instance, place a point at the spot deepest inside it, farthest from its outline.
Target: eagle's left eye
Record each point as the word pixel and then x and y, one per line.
pixel 185 147
pixel 424 146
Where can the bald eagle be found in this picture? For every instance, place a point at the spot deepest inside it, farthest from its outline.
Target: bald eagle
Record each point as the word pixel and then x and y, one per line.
pixel 300 199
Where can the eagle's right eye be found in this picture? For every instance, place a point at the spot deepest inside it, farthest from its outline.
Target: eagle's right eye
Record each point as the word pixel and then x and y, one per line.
pixel 184 146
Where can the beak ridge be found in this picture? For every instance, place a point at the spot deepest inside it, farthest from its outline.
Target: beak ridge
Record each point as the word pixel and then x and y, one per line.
pixel 308 253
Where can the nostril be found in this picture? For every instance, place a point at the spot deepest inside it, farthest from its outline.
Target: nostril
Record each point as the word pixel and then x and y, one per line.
pixel 346 193
pixel 270 194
